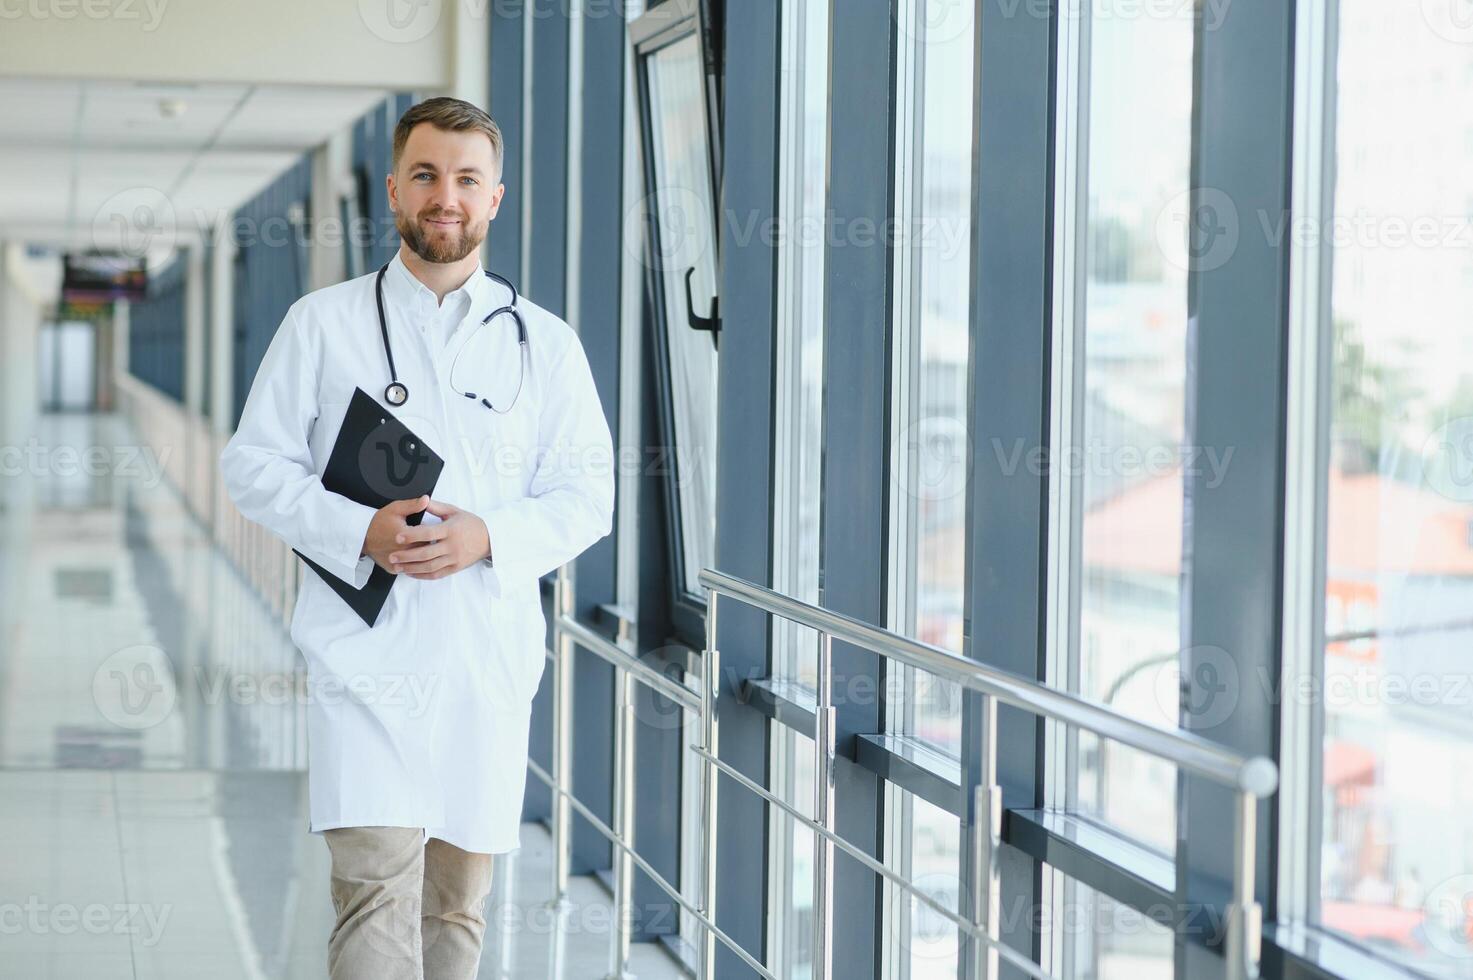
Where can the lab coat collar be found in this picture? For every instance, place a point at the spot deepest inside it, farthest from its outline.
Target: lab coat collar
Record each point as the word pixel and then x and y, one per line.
pixel 402 287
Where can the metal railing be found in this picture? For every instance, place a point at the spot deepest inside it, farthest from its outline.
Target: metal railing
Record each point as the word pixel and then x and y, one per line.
pixel 1250 779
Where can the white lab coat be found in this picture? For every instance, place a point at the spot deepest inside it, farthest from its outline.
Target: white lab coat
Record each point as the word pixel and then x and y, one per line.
pixel 422 720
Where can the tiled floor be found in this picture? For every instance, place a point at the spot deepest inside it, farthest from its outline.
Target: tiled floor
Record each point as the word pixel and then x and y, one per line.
pixel 165 836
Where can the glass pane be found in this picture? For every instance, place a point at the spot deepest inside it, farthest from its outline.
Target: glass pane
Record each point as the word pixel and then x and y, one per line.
pixel 922 942
pixel 799 438
pixel 935 434
pixel 792 852
pixel 1105 940
pixel 1396 855
pixel 1134 345
pixel 685 240
pixel 797 497
pixel 928 500
pixel 692 816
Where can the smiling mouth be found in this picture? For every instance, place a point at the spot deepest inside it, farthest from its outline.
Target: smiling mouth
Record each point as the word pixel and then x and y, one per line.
pixel 444 223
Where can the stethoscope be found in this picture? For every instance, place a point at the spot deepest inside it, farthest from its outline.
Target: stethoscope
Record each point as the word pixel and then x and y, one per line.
pixel 397 393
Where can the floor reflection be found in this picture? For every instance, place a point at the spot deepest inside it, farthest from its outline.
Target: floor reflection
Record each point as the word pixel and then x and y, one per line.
pixel 153 804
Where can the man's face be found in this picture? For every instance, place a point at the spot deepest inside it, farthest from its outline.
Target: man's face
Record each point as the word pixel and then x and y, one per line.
pixel 445 192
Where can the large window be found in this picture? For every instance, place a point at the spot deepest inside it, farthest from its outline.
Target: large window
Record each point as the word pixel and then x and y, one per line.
pixel 928 491
pixel 1388 692
pixel 1122 388
pixel 933 213
pixel 797 495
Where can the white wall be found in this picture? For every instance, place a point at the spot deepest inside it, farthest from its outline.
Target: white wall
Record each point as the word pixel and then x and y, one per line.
pixel 262 42
pixel 26 287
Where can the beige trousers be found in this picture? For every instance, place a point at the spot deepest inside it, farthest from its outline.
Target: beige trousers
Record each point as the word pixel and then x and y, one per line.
pixel 407 908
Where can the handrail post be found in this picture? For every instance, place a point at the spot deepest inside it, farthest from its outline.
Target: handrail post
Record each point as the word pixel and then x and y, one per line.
pixel 823 813
pixel 710 688
pixel 1244 938
pixel 562 748
pixel 623 824
pixel 986 828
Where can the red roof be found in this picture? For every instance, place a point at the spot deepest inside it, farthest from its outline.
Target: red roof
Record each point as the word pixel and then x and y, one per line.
pixel 1389 923
pixel 1348 763
pixel 1376 525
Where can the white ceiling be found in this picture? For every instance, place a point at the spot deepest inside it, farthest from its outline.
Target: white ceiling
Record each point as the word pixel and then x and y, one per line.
pixel 103 164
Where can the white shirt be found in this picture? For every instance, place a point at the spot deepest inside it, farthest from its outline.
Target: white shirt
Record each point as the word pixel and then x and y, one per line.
pixel 436 319
pixel 422 720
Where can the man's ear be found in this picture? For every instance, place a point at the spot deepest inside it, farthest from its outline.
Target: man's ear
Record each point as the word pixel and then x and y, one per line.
pixel 390 189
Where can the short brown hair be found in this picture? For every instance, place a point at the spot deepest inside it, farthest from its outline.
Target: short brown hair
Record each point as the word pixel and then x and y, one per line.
pixel 455 115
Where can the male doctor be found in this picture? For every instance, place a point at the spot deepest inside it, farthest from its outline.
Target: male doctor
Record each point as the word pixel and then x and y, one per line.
pixel 417 726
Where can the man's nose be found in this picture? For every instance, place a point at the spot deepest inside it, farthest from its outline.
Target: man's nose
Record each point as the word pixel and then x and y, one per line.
pixel 446 199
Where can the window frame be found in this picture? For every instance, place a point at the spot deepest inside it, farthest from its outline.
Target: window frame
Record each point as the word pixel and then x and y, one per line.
pixel 655 29
pixel 1301 655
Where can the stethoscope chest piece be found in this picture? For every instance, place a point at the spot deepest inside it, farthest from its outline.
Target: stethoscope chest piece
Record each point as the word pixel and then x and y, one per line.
pixel 396 393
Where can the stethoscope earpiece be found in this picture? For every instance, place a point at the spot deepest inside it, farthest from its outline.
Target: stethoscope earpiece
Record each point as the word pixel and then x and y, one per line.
pixel 397 393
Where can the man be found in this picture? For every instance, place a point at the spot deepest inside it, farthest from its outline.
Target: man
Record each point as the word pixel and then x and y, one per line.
pixel 417 726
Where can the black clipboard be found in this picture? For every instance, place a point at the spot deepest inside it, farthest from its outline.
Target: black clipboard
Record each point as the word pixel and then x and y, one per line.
pixel 375 459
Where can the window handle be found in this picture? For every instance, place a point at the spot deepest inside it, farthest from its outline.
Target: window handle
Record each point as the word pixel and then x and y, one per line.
pixel 712 322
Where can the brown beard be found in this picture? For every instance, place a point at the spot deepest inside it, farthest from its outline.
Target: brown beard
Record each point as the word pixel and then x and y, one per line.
pixel 440 249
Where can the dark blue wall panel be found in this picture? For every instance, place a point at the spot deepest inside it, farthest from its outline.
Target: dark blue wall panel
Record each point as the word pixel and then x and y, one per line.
pixel 505 234
pixel 156 332
pixel 270 269
pixel 373 148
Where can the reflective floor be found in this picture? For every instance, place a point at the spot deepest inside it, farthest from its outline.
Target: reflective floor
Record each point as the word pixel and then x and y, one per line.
pixel 153 803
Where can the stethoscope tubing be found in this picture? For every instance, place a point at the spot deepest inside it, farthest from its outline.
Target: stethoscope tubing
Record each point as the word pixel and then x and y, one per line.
pixel 397 393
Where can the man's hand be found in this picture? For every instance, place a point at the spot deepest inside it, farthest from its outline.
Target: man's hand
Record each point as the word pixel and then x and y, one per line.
pixel 432 551
pixel 388 521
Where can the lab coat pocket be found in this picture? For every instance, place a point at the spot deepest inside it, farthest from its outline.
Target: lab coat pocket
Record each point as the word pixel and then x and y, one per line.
pixel 523 594
pixel 511 677
pixel 321 621
pixel 501 448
